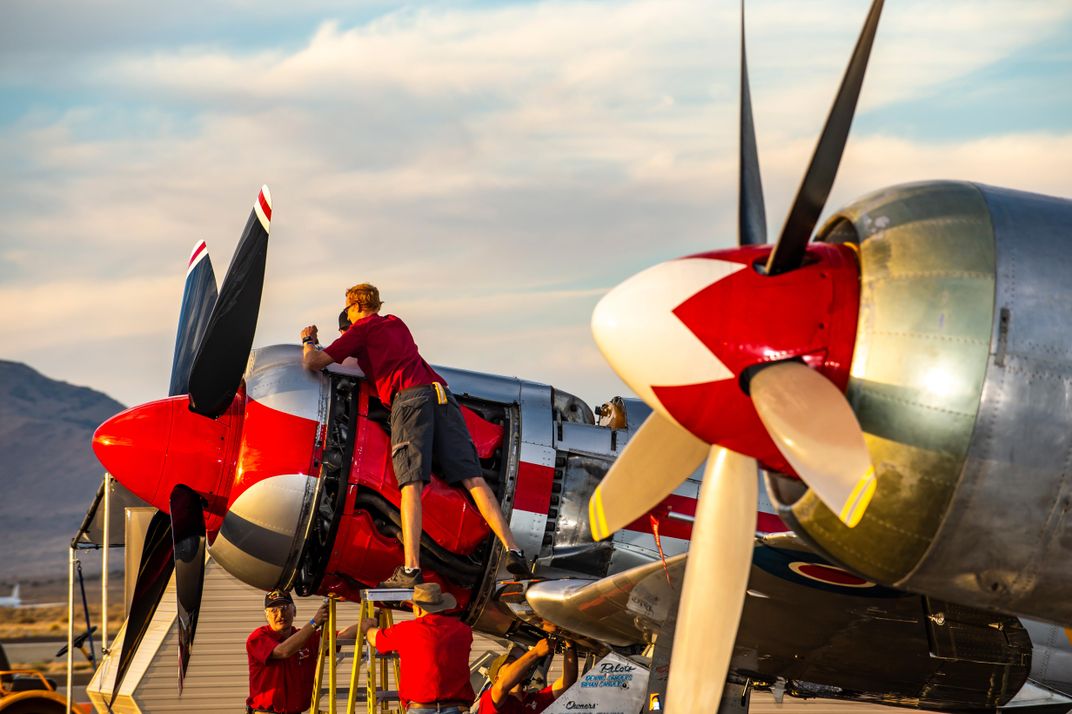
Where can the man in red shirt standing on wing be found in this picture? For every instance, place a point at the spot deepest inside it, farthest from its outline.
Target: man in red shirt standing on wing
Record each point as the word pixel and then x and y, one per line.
pixel 282 658
pixel 433 652
pixel 509 673
pixel 426 422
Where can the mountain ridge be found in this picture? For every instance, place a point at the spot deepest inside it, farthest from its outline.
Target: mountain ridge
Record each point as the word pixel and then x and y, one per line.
pixel 48 471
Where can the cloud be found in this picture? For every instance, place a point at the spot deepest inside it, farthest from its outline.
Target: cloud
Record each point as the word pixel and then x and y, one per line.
pixel 492 168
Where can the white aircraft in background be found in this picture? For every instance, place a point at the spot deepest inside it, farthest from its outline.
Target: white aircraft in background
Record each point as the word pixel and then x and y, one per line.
pixel 12 600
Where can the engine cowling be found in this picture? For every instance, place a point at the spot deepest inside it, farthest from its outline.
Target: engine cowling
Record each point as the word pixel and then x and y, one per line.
pixel 962 381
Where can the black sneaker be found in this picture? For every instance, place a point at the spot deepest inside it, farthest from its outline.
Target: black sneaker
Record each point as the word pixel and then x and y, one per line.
pixel 516 564
pixel 403 577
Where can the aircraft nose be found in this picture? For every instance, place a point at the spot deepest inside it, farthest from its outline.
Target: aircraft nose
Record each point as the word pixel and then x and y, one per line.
pixel 152 447
pixel 645 342
pixel 132 446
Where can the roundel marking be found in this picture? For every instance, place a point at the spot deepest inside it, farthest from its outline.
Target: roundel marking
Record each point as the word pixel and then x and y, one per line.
pixel 829 574
pixel 810 570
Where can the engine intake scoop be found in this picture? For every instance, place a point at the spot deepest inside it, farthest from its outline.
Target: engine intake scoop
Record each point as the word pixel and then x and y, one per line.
pixel 262 535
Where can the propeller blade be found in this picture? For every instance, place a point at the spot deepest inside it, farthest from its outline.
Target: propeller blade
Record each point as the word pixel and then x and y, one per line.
pixel 222 355
pixel 198 299
pixel 154 572
pixel 788 253
pixel 816 430
pixel 751 216
pixel 716 578
pixel 658 457
pixel 188 531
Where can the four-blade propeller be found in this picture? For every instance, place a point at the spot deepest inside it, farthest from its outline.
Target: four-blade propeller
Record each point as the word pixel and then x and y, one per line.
pixel 805 414
pixel 212 346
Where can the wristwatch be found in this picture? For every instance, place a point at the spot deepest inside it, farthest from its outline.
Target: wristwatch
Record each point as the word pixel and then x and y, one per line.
pixel 308 340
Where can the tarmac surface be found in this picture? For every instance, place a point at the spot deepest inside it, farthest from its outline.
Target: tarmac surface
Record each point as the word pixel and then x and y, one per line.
pixel 42 651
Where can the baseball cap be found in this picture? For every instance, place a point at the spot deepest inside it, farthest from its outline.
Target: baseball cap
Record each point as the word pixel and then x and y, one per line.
pixel 511 655
pixel 277 598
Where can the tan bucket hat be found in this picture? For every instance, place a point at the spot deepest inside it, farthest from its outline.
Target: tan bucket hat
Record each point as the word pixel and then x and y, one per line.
pixel 431 598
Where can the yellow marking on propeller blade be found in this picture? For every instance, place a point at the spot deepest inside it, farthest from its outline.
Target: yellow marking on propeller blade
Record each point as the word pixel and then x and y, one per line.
pixel 858 500
pixel 597 519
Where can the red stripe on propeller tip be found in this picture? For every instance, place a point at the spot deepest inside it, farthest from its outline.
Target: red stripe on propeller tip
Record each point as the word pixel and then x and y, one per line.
pixel 198 250
pixel 265 206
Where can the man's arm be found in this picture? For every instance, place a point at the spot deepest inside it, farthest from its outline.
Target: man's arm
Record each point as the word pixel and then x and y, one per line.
pixel 348 633
pixel 515 672
pixel 312 358
pixel 369 630
pixel 569 670
pixel 289 646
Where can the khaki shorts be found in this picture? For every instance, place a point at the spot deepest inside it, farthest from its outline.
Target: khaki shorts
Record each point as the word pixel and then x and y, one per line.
pixel 426 425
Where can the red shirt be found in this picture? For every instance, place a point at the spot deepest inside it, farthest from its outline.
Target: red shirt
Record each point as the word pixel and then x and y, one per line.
pixel 530 702
pixel 282 685
pixel 434 654
pixel 386 353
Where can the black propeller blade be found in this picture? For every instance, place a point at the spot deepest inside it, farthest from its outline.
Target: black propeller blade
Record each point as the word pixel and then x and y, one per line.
pixel 198 299
pixel 223 353
pixel 172 543
pixel 788 253
pixel 188 531
pixel 751 216
pixel 154 572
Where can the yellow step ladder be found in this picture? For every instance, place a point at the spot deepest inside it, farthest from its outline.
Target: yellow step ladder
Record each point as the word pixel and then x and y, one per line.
pixel 378 695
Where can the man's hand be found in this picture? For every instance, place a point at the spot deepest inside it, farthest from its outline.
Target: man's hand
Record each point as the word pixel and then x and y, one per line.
pixel 321 615
pixel 543 647
pixel 313 359
pixel 369 630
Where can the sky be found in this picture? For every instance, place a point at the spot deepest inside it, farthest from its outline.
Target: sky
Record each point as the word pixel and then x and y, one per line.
pixel 494 167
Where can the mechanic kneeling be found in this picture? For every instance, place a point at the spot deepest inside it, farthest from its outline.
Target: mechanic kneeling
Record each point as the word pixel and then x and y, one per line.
pixel 509 672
